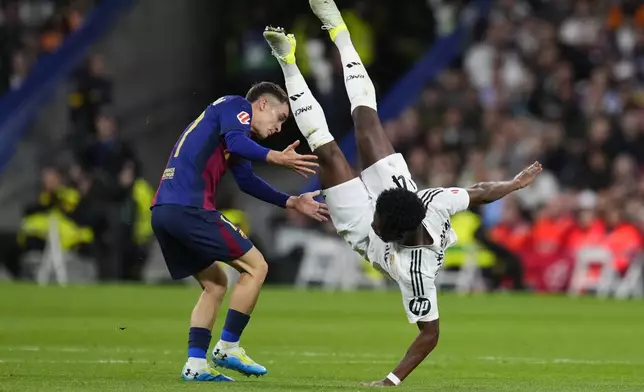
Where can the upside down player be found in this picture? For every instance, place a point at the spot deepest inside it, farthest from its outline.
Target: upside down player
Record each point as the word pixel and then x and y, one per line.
pixel 381 214
pixel 193 234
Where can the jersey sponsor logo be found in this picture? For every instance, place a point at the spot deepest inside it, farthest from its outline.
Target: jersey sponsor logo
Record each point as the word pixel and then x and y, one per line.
pixel 243 118
pixel 455 191
pixel 351 77
pixel 302 110
pixel 420 306
pixel 168 174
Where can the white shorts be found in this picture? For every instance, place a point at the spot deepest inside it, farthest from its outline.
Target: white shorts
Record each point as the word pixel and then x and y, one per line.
pixel 352 204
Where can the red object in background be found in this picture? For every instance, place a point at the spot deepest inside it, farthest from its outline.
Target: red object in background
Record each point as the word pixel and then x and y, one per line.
pixel 547 272
pixel 549 234
pixel 579 236
pixel 624 241
pixel 514 237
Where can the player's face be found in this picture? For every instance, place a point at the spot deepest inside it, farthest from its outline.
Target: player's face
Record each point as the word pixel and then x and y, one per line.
pixel 268 117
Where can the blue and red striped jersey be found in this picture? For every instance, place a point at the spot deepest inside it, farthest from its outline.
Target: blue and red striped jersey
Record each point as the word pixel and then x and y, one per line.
pixel 198 160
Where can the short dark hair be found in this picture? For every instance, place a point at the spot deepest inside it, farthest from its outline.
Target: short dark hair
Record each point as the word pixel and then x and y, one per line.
pixel 399 212
pixel 264 88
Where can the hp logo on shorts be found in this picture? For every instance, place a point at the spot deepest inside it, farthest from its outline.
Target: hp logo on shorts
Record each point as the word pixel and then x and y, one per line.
pixel 419 306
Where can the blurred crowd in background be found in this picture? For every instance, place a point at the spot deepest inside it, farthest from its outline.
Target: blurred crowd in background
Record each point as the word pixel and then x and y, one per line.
pixel 30 29
pixel 93 187
pixel 559 81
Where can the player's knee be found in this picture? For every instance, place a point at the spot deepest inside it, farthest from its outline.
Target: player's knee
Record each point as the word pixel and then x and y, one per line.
pixel 365 117
pixel 253 264
pixel 216 289
pixel 260 270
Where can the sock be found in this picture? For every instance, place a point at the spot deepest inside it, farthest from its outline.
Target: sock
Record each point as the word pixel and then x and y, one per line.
pixel 289 69
pixel 359 86
pixel 198 343
pixel 233 328
pixel 307 111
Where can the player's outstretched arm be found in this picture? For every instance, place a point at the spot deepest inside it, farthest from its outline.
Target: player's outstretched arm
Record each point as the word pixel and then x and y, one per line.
pixel 253 185
pixel 487 192
pixel 301 164
pixel 420 348
pixel 240 144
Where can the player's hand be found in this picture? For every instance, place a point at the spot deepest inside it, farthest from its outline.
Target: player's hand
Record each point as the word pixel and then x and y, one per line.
pixel 301 164
pixel 527 175
pixel 306 205
pixel 381 383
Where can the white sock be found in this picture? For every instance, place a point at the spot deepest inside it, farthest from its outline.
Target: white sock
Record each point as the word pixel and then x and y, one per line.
pixel 289 69
pixel 359 86
pixel 307 111
pixel 197 363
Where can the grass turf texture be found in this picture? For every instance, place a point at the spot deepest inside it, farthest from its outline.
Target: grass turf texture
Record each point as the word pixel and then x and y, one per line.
pixel 119 338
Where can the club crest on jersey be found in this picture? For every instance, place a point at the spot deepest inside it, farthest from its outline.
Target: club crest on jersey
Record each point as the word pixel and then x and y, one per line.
pixel 420 306
pixel 226 154
pixel 243 118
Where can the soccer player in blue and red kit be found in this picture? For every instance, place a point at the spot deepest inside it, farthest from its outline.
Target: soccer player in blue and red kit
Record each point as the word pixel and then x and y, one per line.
pixel 193 235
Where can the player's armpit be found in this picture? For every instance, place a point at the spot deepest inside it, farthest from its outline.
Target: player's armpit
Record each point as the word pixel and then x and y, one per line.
pixel 420 348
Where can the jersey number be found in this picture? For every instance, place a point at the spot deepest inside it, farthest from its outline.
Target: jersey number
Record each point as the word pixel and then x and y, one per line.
pixel 193 126
pixel 400 181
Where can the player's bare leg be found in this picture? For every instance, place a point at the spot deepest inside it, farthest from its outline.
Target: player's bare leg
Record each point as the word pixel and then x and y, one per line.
pixel 227 353
pixel 253 270
pixel 213 281
pixel 309 116
pixel 373 145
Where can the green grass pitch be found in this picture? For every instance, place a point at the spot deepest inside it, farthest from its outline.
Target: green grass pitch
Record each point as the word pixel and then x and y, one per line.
pixel 121 338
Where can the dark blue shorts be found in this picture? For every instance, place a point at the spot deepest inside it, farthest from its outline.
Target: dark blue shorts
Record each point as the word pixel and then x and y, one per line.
pixel 191 239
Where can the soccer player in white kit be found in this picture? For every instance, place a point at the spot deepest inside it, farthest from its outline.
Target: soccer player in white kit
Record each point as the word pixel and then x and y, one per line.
pixel 381 213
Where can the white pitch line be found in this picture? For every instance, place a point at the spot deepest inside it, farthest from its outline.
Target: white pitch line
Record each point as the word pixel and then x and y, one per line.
pixel 558 361
pixel 125 350
pixel 83 361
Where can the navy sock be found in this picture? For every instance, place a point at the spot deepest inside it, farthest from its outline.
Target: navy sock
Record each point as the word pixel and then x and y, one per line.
pixel 234 326
pixel 198 342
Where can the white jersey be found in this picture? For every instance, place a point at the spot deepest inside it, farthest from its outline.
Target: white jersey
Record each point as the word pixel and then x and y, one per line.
pixel 415 268
pixel 352 205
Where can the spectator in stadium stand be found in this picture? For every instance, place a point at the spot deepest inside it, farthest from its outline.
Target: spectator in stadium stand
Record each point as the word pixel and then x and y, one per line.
pixel 551 226
pixel 92 91
pixel 512 231
pixel 588 228
pixel 55 199
pixel 114 166
pixel 623 239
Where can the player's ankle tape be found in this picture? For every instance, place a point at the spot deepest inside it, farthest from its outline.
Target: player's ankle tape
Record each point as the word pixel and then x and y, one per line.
pixel 393 378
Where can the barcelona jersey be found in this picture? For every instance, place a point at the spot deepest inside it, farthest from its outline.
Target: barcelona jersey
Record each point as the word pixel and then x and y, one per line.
pixel 198 160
